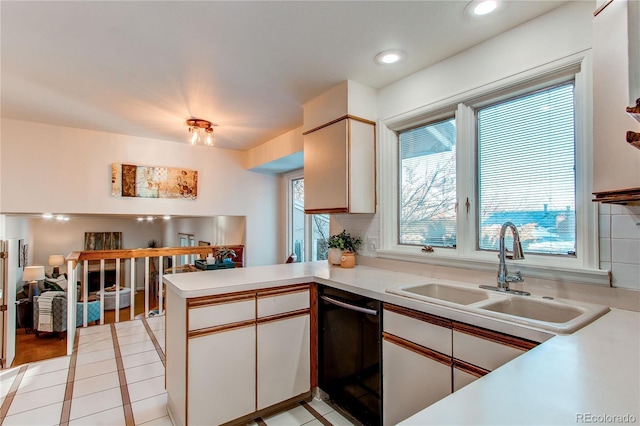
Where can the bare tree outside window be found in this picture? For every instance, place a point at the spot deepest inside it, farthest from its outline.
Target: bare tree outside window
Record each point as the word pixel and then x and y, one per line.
pixel 428 185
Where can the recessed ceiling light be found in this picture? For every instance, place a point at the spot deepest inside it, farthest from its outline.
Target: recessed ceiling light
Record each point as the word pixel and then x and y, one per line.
pixel 479 8
pixel 389 57
pixel 47 215
pixel 166 217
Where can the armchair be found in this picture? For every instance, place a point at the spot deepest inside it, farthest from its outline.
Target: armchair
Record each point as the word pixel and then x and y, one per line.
pixel 58 314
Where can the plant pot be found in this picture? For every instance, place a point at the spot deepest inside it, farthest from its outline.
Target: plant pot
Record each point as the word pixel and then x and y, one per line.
pixel 348 259
pixel 334 256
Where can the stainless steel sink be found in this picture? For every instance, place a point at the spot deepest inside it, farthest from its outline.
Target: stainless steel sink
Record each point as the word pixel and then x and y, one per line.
pixel 448 293
pixel 547 311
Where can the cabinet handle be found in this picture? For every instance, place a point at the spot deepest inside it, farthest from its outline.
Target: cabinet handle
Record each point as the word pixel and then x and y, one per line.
pixel 349 306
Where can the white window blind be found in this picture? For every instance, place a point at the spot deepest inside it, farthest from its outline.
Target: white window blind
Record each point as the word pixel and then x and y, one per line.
pixel 428 185
pixel 526 170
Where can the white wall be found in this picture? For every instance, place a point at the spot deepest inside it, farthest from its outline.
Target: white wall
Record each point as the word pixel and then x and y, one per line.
pixel 557 34
pixel 219 230
pixel 56 169
pixel 19 230
pixel 51 236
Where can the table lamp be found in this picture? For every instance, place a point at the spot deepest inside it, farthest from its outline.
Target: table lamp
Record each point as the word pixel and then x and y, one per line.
pixel 33 274
pixel 56 260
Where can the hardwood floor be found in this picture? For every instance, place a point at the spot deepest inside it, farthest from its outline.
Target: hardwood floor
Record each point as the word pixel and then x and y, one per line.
pixel 30 348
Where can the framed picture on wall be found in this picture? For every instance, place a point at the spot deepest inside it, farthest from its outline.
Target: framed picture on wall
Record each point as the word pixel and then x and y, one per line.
pixel 204 243
pixel 24 254
pixel 20 248
pixel 102 240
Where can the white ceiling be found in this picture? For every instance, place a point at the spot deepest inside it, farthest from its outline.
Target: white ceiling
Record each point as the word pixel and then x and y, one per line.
pixel 143 67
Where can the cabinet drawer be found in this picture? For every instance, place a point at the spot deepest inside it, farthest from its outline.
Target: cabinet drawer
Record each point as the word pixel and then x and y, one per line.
pixel 484 353
pixel 279 302
pixel 221 313
pixel 421 332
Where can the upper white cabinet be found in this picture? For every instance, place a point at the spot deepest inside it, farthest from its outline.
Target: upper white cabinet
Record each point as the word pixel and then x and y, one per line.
pixel 340 150
pixel 615 76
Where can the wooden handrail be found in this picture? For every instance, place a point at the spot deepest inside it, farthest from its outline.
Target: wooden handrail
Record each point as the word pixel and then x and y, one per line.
pixel 78 256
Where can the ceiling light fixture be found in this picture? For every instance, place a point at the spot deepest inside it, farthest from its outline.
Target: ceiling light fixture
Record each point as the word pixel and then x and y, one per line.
pixel 389 57
pixel 478 8
pixel 196 127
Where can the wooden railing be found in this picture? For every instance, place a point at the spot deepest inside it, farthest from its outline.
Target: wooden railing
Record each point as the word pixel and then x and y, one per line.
pixel 79 262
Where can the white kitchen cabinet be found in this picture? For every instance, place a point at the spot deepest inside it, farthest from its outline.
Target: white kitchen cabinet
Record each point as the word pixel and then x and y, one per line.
pixel 615 87
pixel 231 355
pixel 222 372
pixel 485 348
pixel 339 167
pixel 284 345
pixel 221 358
pixel 414 373
pixel 465 373
pixel 283 360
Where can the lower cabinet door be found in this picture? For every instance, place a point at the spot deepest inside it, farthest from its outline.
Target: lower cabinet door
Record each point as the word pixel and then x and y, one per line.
pixel 410 382
pixel 462 378
pixel 284 369
pixel 221 372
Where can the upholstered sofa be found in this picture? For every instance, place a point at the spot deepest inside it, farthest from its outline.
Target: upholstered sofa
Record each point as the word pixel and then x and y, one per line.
pixel 59 313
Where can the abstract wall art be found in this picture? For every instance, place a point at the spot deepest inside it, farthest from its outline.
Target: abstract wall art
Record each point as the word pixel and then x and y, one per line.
pixel 129 180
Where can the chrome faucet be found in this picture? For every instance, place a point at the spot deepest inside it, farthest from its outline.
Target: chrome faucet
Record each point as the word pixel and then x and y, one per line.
pixel 503 275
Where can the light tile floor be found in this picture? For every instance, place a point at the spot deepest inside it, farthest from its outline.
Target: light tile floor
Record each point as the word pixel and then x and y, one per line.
pixel 114 377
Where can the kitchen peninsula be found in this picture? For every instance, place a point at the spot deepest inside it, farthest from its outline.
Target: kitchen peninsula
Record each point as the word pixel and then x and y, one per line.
pixel 563 380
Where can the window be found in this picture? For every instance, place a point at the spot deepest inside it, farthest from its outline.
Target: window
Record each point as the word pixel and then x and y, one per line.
pixel 186 240
pixel 308 233
pixel 526 171
pixel 428 185
pixel 522 150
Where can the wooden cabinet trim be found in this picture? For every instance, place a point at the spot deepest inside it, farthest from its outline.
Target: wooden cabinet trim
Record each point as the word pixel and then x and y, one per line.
pixel 474 370
pixel 283 316
pixel 494 336
pixel 337 120
pixel 601 8
pixel 420 350
pixel 200 302
pixel 328 211
pixel 421 316
pixel 220 328
pixel 279 291
pixel 313 336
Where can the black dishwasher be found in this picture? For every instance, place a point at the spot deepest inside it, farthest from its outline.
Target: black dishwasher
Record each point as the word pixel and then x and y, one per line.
pixel 350 353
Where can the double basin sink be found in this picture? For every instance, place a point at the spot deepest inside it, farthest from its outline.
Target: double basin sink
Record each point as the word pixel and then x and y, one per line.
pixel 558 316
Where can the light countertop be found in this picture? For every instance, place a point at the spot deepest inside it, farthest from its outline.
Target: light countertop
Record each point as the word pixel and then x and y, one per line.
pixel 592 372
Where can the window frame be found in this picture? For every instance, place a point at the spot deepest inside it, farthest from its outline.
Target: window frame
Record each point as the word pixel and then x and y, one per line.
pixel 448 117
pixel 585 266
pixel 308 225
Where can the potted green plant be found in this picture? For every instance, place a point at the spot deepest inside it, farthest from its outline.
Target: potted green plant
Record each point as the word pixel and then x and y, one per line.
pixel 340 243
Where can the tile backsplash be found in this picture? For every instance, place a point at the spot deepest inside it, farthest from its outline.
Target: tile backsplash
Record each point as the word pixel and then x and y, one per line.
pixel 619 232
pixel 620 244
